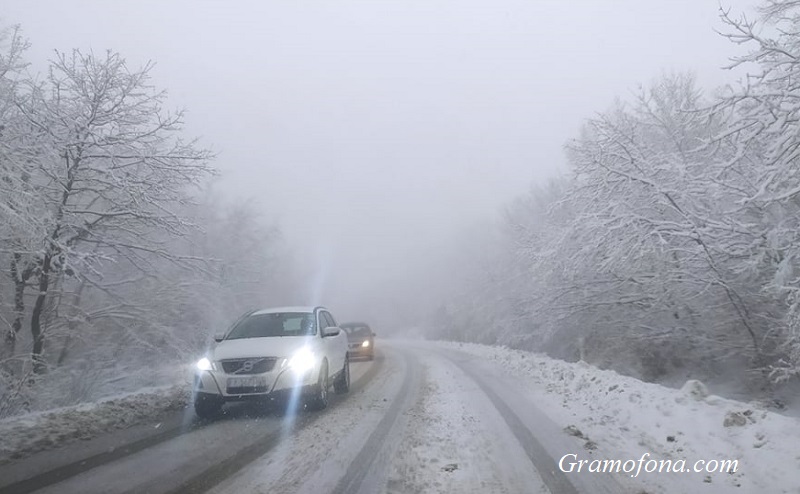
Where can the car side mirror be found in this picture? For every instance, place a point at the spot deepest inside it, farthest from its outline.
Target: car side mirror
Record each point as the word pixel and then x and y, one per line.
pixel 219 337
pixel 330 331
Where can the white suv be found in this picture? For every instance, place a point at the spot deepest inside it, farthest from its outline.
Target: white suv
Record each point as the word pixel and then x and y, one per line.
pixel 287 353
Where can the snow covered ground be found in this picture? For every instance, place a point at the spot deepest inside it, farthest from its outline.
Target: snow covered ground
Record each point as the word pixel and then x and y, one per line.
pixel 131 397
pixel 422 420
pixel 625 418
pixel 39 431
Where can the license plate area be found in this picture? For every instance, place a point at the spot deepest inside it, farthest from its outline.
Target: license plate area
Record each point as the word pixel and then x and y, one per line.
pixel 243 385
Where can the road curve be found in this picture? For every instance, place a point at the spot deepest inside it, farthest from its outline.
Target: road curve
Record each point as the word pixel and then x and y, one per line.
pixel 418 419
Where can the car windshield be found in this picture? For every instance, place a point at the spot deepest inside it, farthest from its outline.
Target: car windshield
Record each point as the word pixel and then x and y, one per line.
pixel 274 324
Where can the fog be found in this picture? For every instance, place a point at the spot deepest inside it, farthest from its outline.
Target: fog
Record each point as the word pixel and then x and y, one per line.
pixel 374 133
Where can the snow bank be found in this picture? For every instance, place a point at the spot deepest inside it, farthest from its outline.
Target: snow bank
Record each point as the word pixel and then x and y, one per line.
pixel 623 417
pixel 39 431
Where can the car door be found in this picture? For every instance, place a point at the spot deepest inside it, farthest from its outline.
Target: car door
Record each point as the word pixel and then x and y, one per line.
pixel 328 344
pixel 336 345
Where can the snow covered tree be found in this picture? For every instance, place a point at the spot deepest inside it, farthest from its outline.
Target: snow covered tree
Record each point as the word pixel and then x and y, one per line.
pixel 107 171
pixel 111 251
pixel 17 220
pixel 766 164
pixel 673 248
pixel 652 228
pixel 637 261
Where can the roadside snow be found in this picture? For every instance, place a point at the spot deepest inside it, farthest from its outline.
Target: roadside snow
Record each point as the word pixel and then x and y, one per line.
pixel 618 417
pixel 24 435
pixel 456 441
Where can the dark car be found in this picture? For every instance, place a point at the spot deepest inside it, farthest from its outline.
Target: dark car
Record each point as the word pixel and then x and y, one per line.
pixel 360 339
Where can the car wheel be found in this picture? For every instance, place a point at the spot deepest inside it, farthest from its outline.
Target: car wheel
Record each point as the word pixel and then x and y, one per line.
pixel 207 407
pixel 319 400
pixel 342 383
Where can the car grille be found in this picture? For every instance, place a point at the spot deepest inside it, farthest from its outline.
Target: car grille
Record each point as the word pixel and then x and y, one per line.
pixel 244 366
pixel 243 390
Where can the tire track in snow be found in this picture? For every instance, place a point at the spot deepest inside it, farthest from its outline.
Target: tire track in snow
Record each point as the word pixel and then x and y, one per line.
pixel 554 478
pixel 224 469
pixel 59 474
pixel 454 439
pixel 361 476
pixel 510 404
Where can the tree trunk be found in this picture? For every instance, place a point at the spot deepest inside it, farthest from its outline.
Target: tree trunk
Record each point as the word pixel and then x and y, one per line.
pixel 19 306
pixel 62 355
pixel 20 279
pixel 72 324
pixel 36 317
pixel 44 275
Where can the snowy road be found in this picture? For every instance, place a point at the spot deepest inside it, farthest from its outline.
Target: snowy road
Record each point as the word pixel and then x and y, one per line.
pixel 418 419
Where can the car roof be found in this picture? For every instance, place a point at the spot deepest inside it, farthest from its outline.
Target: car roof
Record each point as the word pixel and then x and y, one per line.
pixel 296 308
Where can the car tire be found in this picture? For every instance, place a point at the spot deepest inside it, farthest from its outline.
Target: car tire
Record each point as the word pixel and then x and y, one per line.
pixel 319 399
pixel 207 407
pixel 342 383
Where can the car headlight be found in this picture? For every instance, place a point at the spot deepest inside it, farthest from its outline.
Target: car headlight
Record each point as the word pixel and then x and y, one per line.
pixel 302 361
pixel 365 344
pixel 203 364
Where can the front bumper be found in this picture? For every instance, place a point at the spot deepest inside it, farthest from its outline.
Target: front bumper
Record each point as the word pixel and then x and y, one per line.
pixel 357 350
pixel 233 387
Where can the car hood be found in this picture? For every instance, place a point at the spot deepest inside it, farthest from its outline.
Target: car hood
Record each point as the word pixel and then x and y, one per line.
pixel 275 346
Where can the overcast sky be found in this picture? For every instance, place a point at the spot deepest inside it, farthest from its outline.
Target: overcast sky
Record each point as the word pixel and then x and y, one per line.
pixel 373 130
